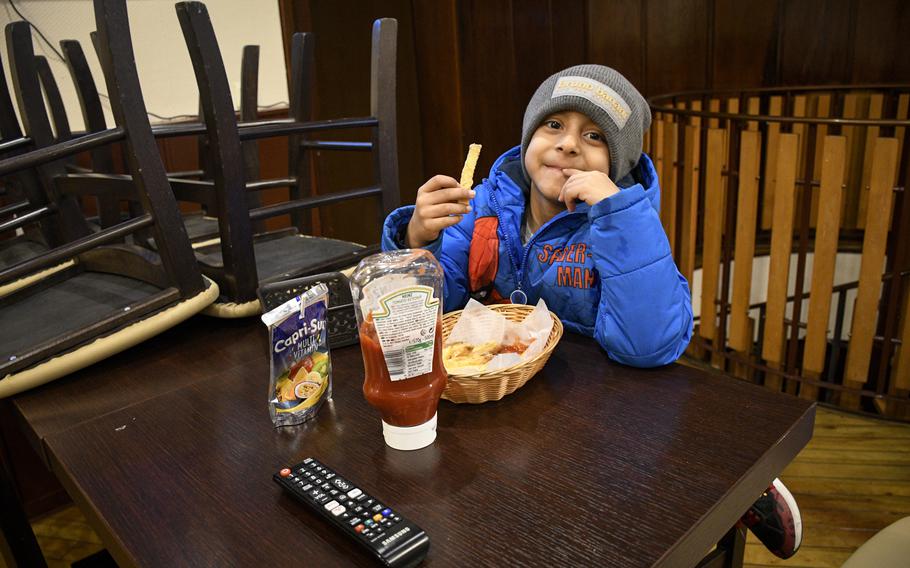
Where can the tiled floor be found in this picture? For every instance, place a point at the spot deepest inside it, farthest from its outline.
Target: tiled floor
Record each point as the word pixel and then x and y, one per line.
pixel 65 537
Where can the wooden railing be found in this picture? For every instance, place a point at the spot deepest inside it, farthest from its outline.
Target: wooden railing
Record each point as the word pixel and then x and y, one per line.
pixel 801 176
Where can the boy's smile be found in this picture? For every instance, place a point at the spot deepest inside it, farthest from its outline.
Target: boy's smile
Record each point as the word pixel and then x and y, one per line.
pixel 566 139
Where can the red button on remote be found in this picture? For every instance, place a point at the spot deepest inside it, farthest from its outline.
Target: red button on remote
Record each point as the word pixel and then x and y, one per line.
pixel 284 472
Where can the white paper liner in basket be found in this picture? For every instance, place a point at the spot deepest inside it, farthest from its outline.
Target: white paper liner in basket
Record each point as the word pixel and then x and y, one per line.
pixel 478 324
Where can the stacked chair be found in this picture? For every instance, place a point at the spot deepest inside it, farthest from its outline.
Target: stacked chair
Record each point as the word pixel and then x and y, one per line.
pixel 243 260
pixel 105 294
pixel 134 273
pixel 75 290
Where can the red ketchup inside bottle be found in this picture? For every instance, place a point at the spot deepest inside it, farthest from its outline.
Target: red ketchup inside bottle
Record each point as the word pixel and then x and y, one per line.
pixel 406 402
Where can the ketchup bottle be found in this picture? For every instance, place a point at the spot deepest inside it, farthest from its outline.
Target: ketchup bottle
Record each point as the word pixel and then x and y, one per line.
pixel 398 300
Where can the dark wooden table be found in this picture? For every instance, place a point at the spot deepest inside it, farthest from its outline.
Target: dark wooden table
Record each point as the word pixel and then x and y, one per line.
pixel 169 450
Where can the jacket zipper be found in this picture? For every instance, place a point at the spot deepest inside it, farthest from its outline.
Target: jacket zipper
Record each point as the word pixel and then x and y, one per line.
pixel 518 293
pixel 517 296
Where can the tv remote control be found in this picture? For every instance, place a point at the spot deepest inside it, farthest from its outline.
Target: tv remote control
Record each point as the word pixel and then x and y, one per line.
pixel 394 540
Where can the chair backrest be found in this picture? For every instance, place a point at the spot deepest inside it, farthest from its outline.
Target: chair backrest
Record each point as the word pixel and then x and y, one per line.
pixel 89 101
pixel 25 192
pixel 173 270
pixel 225 139
pixel 69 220
pixel 62 129
pixel 93 114
pixel 383 95
pixel 249 109
pixel 148 176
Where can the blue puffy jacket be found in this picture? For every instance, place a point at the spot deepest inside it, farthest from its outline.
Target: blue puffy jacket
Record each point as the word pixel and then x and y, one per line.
pixel 605 270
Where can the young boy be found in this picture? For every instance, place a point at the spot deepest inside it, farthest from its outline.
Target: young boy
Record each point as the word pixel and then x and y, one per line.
pixel 571 216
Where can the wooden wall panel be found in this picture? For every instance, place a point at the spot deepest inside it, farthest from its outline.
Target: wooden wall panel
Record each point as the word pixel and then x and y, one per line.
pixel 677 46
pixel 745 43
pixel 568 19
pixel 615 38
pixel 881 27
pixel 439 87
pixel 492 116
pixel 815 46
pixel 533 41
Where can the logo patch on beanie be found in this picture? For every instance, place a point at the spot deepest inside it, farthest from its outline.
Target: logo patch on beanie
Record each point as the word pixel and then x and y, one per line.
pixel 596 92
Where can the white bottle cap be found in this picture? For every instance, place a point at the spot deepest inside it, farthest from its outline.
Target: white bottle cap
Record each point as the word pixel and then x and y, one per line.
pixel 410 437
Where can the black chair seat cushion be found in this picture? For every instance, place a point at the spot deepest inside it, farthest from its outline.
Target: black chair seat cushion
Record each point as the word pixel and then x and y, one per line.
pixel 72 304
pixel 19 249
pixel 200 227
pixel 291 255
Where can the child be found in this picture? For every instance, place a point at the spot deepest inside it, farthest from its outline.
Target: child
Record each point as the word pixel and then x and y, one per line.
pixel 570 216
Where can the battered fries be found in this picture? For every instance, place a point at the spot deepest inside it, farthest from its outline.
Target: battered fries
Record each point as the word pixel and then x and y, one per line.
pixel 467 172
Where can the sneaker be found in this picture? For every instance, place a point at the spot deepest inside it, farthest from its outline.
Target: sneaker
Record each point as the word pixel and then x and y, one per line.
pixel 774 519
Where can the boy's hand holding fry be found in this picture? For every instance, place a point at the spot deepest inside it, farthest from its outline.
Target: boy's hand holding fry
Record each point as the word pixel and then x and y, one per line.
pixel 438 205
pixel 441 202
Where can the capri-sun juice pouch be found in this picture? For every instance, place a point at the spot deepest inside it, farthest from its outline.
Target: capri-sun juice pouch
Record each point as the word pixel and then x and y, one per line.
pixel 301 369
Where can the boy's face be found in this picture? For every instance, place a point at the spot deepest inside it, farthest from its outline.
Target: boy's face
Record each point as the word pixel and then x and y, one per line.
pixel 566 139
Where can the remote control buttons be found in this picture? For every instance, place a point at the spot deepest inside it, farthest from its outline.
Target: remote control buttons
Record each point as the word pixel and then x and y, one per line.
pixel 381 530
pixel 318 496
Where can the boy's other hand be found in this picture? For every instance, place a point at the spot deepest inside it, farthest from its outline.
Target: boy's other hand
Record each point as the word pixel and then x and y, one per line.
pixel 590 187
pixel 436 207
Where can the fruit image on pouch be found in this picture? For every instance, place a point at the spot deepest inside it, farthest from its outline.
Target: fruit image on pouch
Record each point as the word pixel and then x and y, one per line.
pixel 305 379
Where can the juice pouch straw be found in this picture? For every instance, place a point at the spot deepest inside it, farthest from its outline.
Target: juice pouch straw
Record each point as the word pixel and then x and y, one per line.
pixel 301 369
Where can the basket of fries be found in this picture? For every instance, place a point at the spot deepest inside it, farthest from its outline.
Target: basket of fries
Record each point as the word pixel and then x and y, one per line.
pixel 487 385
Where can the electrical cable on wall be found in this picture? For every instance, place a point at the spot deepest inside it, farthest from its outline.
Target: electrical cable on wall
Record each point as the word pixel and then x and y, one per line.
pixel 60 58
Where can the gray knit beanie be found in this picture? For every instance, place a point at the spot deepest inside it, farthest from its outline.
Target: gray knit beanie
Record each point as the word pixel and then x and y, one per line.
pixel 604 96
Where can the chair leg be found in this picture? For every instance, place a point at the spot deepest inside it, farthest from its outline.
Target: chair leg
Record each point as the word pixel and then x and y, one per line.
pixel 735 543
pixel 19 540
pixel 729 552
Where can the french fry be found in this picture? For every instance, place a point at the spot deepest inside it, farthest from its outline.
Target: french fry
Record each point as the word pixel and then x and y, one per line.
pixel 467 172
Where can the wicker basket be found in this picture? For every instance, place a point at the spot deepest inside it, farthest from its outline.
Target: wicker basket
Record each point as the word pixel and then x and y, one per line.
pixel 494 385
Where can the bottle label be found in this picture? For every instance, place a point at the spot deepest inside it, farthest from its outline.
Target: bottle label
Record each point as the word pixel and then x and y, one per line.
pixel 405 322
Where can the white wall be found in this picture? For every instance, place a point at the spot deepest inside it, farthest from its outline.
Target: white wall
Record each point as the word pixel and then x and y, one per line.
pixel 165 70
